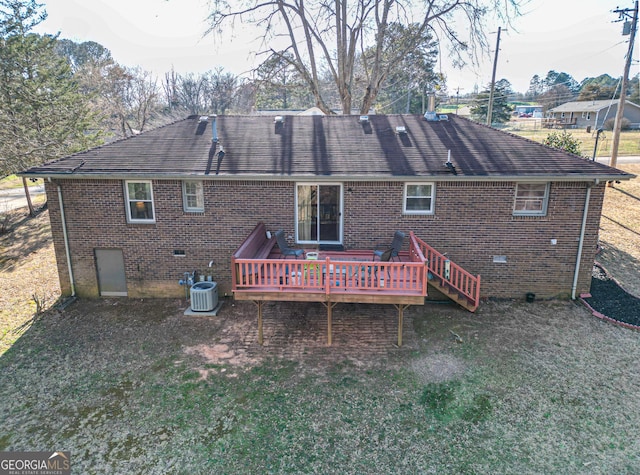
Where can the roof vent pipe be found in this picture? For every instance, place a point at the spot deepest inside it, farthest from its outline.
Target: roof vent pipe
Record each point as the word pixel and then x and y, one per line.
pixel 214 128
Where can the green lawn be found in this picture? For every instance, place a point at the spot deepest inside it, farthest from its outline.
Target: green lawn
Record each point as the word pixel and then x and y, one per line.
pixel 13 181
pixel 526 388
pixel 629 140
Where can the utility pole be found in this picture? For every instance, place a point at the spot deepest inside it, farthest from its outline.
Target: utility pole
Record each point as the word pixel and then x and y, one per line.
pixel 457 97
pixel 493 80
pixel 624 13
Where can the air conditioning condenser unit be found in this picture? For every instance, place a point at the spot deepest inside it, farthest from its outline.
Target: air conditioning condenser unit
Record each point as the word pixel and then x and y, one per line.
pixel 204 296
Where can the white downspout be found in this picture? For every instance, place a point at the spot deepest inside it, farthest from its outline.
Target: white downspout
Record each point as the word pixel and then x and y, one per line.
pixel 581 242
pixel 66 240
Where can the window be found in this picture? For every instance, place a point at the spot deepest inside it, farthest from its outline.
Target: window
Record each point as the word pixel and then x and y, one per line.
pixel 319 213
pixel 193 196
pixel 531 199
pixel 418 198
pixel 139 201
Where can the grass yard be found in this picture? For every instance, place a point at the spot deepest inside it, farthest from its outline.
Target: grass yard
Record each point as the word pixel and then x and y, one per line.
pixel 12 181
pixel 629 140
pixel 132 386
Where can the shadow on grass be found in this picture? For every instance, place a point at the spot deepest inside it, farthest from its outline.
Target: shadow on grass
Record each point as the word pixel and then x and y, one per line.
pixel 623 267
pixel 25 234
pixel 630 195
pixel 621 225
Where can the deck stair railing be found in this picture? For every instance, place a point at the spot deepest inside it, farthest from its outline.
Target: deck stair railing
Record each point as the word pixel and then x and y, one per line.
pixel 448 277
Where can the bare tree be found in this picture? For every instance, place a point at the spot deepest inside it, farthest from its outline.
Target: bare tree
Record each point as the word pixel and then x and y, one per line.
pixel 213 91
pixel 331 33
pixel 190 91
pixel 131 97
pixel 219 90
pixel 170 89
pixel 279 85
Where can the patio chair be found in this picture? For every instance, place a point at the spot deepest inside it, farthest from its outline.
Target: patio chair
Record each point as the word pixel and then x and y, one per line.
pixel 395 247
pixel 372 271
pixel 284 247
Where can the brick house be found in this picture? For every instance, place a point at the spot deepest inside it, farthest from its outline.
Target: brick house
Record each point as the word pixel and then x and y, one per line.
pixel 129 218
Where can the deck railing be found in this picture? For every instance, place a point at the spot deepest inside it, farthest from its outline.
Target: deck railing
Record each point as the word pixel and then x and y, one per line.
pixel 352 272
pixel 448 273
pixel 330 275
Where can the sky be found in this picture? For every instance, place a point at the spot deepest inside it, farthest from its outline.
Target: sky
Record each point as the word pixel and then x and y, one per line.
pixel 579 37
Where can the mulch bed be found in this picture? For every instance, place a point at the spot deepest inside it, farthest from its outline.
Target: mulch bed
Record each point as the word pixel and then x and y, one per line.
pixel 611 300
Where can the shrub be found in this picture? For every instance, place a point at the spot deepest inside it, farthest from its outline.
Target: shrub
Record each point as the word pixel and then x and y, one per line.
pixel 625 125
pixel 5 221
pixel 563 141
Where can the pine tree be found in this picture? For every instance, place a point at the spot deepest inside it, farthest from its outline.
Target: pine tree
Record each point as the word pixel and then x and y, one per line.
pixel 43 114
pixel 501 108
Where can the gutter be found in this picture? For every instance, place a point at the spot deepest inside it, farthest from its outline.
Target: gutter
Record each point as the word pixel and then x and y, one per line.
pixel 581 240
pixel 66 240
pixel 444 177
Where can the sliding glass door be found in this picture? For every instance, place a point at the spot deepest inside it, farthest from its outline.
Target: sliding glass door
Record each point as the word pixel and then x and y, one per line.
pixel 319 213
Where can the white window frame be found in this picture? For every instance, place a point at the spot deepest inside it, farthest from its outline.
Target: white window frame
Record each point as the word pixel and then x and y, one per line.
pixel 129 199
pixel 406 197
pixel 299 239
pixel 531 212
pixel 199 196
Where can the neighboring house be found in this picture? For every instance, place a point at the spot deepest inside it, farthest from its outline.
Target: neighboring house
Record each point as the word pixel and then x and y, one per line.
pixel 144 210
pixel 583 114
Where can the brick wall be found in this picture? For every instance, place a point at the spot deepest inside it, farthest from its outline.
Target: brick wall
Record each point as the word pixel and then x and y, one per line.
pixel 473 222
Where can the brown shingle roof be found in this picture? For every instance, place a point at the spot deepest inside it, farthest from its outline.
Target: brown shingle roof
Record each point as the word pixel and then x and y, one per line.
pixel 327 146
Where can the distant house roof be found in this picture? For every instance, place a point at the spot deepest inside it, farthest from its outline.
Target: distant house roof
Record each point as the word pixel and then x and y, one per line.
pixel 322 147
pixel 589 106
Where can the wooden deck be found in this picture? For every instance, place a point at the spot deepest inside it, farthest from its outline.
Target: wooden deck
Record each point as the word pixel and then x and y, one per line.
pixel 347 276
pixel 559 123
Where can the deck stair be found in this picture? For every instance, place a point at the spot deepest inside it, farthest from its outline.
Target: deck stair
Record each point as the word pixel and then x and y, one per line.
pixel 449 278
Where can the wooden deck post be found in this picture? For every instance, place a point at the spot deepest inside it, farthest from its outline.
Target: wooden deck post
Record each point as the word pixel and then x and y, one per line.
pixel 259 303
pixel 329 306
pixel 401 308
